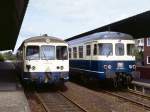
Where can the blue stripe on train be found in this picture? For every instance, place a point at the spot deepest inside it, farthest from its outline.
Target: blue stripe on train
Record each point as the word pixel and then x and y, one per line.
pixel 96 67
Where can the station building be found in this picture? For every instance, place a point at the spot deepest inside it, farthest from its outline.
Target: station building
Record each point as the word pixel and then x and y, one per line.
pixel 139 43
pixel 147 51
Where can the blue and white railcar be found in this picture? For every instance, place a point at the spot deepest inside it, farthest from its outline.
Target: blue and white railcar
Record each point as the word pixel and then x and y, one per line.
pixel 44 59
pixel 103 55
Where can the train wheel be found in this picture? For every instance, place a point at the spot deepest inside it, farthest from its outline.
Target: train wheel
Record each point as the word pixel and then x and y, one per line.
pixel 59 83
pixel 28 84
pixel 115 83
pixel 128 80
pixel 93 82
pixel 84 79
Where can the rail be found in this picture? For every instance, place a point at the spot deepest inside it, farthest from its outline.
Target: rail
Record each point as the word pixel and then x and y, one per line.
pixel 84 110
pixel 128 99
pixel 42 103
pixel 47 108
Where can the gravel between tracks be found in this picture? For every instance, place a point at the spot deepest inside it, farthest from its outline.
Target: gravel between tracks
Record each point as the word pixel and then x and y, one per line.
pixel 135 97
pixel 34 103
pixel 97 101
pixel 55 102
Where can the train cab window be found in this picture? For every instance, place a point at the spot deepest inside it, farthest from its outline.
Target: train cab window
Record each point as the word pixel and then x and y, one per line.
pixel 70 50
pixel 119 49
pixel 105 49
pixel 80 51
pixel 88 50
pixel 74 52
pixel 61 52
pixel 130 49
pixel 32 53
pixel 47 52
pixel 95 49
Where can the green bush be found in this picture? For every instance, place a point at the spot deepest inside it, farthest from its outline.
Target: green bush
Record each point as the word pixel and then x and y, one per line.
pixel 9 56
pixel 1 57
pixel 138 55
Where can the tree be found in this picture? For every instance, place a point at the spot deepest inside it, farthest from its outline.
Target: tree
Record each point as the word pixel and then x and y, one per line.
pixel 139 56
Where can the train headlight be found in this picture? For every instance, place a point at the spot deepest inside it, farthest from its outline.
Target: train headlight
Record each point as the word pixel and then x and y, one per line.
pixel 33 67
pixel 130 66
pixel 105 66
pixel 28 67
pixel 134 66
pixel 61 67
pixel 109 66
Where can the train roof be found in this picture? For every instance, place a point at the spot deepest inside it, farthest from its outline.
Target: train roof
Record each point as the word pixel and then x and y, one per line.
pixel 105 35
pixel 44 38
pixel 100 35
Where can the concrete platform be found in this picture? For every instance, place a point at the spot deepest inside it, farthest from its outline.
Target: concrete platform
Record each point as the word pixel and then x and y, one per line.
pixel 13 101
pixel 12 97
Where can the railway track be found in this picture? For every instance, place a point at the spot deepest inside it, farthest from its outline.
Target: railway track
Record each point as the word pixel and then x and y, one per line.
pixel 58 102
pixel 139 93
pixel 80 99
pixel 99 101
pixel 133 97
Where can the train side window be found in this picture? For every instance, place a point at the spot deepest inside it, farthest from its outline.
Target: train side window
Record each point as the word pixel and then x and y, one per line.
pixel 88 50
pixel 80 51
pixel 70 50
pixel 74 52
pixel 95 49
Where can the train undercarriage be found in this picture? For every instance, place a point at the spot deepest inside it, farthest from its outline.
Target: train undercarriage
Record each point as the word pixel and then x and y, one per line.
pixel 118 80
pixel 121 80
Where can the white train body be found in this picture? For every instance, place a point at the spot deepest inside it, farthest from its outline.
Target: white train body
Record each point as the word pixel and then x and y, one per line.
pixel 44 59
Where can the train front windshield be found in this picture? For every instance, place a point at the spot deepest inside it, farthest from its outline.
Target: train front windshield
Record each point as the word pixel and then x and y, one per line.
pixel 46 52
pixel 105 49
pixel 119 49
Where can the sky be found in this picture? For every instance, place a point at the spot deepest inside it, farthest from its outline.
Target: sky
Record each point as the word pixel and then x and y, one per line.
pixel 67 18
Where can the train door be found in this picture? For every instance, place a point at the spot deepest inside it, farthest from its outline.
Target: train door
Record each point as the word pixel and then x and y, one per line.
pixel 88 55
pixel 91 54
pixel 94 51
